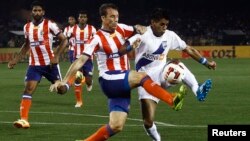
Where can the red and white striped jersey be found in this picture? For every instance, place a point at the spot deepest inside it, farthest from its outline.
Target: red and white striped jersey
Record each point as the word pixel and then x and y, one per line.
pixel 41 38
pixel 105 45
pixel 67 33
pixel 81 36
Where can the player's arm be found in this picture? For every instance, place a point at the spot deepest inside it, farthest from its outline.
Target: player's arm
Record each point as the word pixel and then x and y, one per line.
pixel 75 66
pixel 129 45
pixel 140 29
pixel 199 58
pixel 59 50
pixel 24 49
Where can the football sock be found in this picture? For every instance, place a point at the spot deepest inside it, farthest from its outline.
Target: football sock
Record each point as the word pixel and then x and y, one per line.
pixel 78 92
pixel 153 133
pixel 101 134
pixel 25 106
pixel 154 89
pixel 190 80
pixel 71 81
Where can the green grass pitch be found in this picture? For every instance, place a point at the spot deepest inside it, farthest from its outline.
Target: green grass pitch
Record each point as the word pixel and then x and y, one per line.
pixel 54 118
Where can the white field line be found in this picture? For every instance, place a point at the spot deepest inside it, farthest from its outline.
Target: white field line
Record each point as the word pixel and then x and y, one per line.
pixel 97 116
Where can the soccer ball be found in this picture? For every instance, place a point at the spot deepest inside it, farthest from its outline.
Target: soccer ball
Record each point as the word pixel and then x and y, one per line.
pixel 173 73
pixel 79 77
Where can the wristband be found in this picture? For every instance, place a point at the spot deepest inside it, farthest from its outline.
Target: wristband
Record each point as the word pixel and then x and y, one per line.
pixel 67 85
pixel 129 48
pixel 203 60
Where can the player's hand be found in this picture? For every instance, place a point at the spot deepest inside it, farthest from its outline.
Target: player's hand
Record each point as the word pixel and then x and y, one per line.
pixel 54 87
pixel 11 64
pixel 136 43
pixel 211 65
pixel 54 61
pixel 140 29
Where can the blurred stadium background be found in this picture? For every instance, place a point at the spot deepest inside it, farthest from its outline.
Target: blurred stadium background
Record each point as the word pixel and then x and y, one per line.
pixel 219 29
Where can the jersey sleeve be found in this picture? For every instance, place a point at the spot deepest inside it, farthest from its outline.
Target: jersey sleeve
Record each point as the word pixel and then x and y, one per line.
pixel 54 28
pixel 127 29
pixel 177 43
pixel 25 32
pixel 133 38
pixel 91 46
pixel 93 30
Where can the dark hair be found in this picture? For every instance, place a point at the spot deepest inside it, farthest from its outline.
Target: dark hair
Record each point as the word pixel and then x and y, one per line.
pixel 37 3
pixel 103 8
pixel 158 14
pixel 83 12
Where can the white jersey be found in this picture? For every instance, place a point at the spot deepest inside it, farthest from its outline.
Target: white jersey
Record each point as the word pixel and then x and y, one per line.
pixel 151 55
pixel 152 52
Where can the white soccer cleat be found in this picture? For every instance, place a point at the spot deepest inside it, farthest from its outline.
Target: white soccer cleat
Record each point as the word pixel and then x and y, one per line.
pixel 78 105
pixel 89 88
pixel 21 123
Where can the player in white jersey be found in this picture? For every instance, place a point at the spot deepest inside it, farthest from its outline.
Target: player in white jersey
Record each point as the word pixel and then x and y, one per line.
pixel 72 23
pixel 81 33
pixel 151 57
pixel 42 61
pixel 115 78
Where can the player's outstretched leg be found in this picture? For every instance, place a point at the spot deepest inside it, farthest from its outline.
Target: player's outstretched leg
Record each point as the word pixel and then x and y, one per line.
pixel 203 90
pixel 179 97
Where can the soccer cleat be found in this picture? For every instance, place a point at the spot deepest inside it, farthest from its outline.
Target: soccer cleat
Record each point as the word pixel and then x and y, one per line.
pixel 89 88
pixel 21 123
pixel 78 105
pixel 203 90
pixel 179 98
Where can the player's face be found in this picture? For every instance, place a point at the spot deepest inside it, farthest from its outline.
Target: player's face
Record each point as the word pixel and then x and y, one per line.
pixel 83 18
pixel 159 27
pixel 110 20
pixel 71 21
pixel 37 13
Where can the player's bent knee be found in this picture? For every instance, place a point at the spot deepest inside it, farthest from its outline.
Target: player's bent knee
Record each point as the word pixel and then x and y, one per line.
pixel 116 128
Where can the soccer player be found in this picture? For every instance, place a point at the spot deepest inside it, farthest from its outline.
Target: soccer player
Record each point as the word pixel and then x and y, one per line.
pixel 81 33
pixel 42 61
pixel 151 56
pixel 72 23
pixel 115 78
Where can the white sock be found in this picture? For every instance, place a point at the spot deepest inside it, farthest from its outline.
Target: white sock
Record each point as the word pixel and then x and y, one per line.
pixel 190 80
pixel 153 133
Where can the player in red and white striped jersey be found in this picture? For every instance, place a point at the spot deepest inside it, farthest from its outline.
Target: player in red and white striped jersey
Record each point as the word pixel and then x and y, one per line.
pixel 72 23
pixel 81 33
pixel 43 61
pixel 115 77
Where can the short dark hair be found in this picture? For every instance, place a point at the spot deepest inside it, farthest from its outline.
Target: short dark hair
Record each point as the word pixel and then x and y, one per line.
pixel 158 14
pixel 83 12
pixel 103 8
pixel 37 3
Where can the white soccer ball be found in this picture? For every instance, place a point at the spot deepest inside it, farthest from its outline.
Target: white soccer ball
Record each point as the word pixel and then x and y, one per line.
pixel 173 73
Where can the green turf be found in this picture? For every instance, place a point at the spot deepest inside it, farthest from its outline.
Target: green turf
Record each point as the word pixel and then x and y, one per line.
pixel 54 118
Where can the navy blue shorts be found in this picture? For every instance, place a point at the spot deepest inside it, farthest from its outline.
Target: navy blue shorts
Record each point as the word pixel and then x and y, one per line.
pixel 115 84
pixel 119 104
pixel 36 72
pixel 87 68
pixel 71 56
